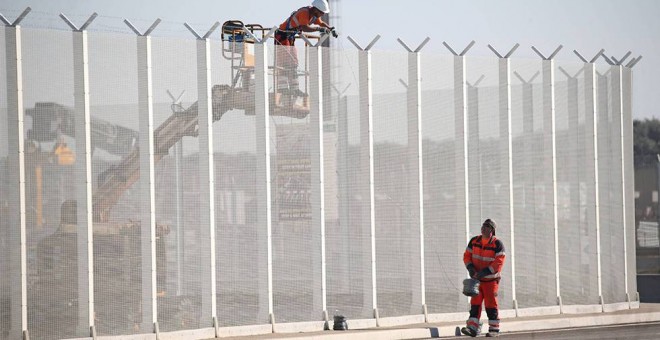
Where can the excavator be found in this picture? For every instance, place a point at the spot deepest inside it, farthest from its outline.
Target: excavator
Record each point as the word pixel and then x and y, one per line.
pixel 117 244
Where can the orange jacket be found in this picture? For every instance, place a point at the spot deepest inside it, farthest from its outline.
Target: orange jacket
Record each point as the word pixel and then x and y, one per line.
pixel 301 17
pixel 486 257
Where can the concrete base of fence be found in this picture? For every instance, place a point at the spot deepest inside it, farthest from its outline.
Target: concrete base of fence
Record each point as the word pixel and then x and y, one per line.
pixel 413 327
pixel 582 309
pixel 225 332
pixel 538 311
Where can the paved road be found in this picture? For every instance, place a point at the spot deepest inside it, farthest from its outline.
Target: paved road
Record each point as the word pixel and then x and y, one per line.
pixel 638 331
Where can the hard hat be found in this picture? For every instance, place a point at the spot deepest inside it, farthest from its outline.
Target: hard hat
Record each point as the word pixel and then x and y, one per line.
pixel 321 5
pixel 491 224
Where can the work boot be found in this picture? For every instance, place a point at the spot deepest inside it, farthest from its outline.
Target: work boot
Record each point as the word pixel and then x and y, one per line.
pixel 469 331
pixel 492 334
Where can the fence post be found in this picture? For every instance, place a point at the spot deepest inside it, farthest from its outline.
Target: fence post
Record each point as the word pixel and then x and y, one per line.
pixel 206 173
pixel 416 171
pixel 147 179
pixel 16 167
pixel 367 170
pixel 264 204
pixel 318 176
pixel 504 76
pixel 629 171
pixel 474 168
pixel 591 145
pixel 85 235
pixel 178 185
pixel 617 98
pixel 528 146
pixel 461 133
pixel 550 157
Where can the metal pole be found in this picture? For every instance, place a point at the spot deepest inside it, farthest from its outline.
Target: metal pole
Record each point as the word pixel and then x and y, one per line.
pixel 318 175
pixel 629 178
pixel 178 187
pixel 574 157
pixel 178 177
pixel 416 171
pixel 474 155
pixel 16 165
pixel 85 235
pixel 207 172
pixel 147 179
pixel 504 76
pixel 618 117
pixel 367 169
pixel 462 135
pixel 461 129
pixel 591 124
pixel 550 155
pixel 550 148
pixel 264 204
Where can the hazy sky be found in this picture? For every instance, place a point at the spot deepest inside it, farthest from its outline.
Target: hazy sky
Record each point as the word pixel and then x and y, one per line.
pixel 585 25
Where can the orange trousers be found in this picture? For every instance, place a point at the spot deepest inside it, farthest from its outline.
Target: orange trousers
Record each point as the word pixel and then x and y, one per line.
pixel 487 296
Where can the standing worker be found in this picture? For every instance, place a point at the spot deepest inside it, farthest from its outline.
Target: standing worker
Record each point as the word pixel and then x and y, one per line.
pixel 484 259
pixel 299 21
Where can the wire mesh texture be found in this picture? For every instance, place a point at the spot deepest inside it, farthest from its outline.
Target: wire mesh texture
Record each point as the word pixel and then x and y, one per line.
pixel 348 242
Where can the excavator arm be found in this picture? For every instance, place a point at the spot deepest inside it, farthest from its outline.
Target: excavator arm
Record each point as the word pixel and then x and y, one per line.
pixel 117 179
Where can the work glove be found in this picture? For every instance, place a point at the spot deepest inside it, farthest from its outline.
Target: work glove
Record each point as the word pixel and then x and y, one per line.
pixel 483 273
pixel 334 32
pixel 471 271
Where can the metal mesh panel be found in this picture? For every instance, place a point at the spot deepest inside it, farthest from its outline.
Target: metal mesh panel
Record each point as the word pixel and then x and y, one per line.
pixel 50 181
pixel 117 248
pixel 444 236
pixel 609 156
pixel 397 227
pixel 180 248
pixel 488 160
pixel 239 260
pixel 294 236
pixel 182 252
pixel 575 176
pixel 348 236
pixel 535 255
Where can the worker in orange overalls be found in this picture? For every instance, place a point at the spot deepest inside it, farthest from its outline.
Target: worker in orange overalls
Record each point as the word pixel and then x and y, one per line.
pixel 299 21
pixel 484 259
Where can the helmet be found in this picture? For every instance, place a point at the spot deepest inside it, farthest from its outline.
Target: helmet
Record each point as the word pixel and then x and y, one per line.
pixel 321 5
pixel 491 224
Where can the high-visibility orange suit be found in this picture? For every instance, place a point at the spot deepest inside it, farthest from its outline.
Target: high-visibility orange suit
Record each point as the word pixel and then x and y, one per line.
pixel 286 55
pixel 484 259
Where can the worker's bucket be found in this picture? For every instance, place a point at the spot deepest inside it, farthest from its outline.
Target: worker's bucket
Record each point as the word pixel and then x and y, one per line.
pixel 470 287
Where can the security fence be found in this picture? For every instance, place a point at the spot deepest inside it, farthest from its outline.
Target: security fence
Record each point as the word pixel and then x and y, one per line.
pixel 349 184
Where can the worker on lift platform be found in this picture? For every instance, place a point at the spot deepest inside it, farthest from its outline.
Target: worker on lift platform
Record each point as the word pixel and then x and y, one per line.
pixel 299 21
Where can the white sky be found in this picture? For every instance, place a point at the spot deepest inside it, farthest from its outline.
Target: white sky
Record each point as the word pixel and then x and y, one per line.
pixel 585 25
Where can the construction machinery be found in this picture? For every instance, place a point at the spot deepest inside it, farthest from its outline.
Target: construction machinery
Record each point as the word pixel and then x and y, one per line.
pixel 117 244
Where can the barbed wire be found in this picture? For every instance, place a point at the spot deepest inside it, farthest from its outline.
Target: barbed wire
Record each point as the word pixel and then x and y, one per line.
pixel 37 19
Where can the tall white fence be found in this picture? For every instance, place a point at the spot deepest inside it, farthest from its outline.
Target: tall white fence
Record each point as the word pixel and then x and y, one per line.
pixel 123 213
